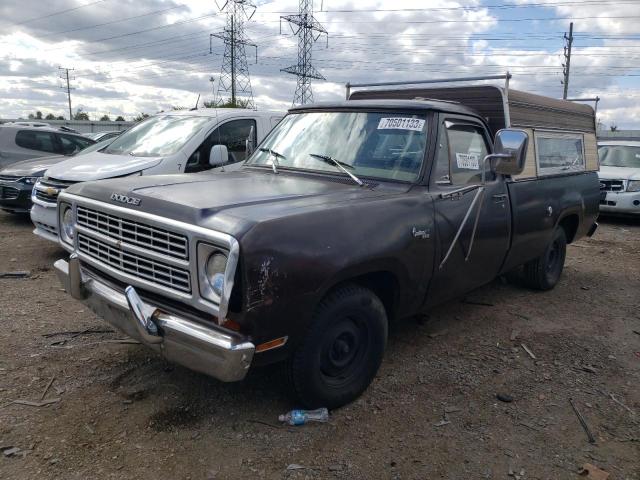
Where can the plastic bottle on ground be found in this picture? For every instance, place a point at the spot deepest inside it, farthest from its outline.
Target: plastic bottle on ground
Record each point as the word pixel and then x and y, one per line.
pixel 300 417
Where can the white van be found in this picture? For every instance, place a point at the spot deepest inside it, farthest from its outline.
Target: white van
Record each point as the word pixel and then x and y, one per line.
pixel 173 142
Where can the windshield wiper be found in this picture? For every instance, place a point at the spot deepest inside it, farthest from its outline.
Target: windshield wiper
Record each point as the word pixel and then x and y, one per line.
pixel 341 165
pixel 274 158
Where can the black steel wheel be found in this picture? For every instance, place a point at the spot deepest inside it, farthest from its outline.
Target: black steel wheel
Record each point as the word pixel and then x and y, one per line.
pixel 544 272
pixel 342 350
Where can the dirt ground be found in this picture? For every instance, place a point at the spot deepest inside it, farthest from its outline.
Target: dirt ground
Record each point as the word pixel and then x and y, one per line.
pixel 431 413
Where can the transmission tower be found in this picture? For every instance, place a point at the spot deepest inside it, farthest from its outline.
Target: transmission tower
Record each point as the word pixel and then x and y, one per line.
pixel 308 30
pixel 64 75
pixel 234 84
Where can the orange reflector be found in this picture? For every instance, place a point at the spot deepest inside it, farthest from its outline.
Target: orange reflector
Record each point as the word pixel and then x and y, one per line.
pixel 231 325
pixel 271 344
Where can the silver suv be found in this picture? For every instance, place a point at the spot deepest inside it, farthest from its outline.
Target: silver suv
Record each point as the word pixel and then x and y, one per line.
pixel 22 142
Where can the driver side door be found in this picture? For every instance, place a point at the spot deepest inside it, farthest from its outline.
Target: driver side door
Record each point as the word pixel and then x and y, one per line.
pixel 466 259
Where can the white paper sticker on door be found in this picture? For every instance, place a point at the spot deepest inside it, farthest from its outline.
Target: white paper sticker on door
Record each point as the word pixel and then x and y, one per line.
pixel 401 123
pixel 470 161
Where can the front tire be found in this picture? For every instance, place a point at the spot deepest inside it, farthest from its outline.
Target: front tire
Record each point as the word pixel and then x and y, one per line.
pixel 544 272
pixel 342 349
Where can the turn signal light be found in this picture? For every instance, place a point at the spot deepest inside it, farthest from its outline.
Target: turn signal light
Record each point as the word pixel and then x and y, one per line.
pixel 271 344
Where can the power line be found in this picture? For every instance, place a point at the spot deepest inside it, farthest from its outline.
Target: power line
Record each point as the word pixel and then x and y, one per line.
pixel 60 12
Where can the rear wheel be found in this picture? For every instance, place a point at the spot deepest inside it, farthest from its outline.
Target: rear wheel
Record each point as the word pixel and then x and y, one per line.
pixel 544 272
pixel 342 350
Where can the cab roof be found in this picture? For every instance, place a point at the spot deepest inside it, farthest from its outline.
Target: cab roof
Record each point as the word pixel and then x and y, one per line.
pixel 222 112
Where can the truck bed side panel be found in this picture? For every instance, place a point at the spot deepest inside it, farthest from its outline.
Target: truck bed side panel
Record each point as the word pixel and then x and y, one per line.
pixel 572 194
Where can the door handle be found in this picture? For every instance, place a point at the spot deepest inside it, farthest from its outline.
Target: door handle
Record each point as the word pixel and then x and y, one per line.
pixel 499 198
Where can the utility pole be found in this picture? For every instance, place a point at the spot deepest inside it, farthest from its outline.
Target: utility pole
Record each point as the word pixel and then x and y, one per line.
pixel 567 60
pixel 234 77
pixel 65 76
pixel 308 31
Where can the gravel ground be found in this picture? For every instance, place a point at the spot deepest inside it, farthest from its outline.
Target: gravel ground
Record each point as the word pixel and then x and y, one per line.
pixel 121 412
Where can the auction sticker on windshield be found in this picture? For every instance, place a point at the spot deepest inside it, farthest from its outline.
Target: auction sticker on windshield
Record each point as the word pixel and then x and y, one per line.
pixel 468 161
pixel 401 123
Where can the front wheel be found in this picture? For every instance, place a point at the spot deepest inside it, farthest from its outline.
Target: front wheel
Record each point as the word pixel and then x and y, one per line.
pixel 341 351
pixel 544 272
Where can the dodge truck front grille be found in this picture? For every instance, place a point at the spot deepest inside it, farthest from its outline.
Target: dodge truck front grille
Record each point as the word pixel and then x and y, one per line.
pixel 131 263
pixel 9 178
pixel 612 185
pixel 136 233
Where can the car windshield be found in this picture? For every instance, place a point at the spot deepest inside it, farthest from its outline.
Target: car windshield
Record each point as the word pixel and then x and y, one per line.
pixel 387 145
pixel 619 156
pixel 95 147
pixel 157 136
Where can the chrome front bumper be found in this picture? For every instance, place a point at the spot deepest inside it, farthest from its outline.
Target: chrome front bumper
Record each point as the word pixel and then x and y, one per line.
pixel 178 339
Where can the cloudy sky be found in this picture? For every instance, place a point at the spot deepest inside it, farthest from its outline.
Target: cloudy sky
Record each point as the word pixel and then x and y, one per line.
pixel 133 56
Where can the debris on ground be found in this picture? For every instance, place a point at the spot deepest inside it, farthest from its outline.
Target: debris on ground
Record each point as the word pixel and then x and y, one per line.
pixel 503 397
pixel 300 417
pixel 593 473
pixel 526 349
pixel 42 403
pixel 18 274
pixel 11 451
pixel 582 422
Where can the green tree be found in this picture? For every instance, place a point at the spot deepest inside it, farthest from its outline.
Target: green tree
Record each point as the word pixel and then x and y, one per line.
pixel 613 127
pixel 60 117
pixel 50 116
pixel 80 115
pixel 120 118
pixel 140 117
pixel 239 103
pixel 105 118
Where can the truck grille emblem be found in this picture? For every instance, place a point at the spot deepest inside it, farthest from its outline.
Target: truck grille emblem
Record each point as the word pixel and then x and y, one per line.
pixel 117 197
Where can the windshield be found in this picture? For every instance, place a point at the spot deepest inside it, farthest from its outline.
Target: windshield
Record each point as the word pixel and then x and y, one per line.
pixel 95 147
pixel 386 145
pixel 619 156
pixel 157 136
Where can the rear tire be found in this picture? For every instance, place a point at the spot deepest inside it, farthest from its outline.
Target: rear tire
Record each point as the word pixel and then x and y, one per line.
pixel 342 349
pixel 544 272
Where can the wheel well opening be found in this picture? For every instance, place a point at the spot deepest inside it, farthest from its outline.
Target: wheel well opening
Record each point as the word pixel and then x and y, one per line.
pixel 384 285
pixel 570 225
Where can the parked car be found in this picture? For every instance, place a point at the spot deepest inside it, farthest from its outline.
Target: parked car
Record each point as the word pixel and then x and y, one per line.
pixel 348 216
pixel 22 142
pixel 174 142
pixel 99 136
pixel 619 177
pixel 17 180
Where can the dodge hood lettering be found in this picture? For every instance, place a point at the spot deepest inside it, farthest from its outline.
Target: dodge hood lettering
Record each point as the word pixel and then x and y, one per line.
pixel 117 197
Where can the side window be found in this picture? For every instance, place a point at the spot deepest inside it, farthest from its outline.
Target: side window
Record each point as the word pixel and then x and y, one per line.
pixel 233 135
pixel 72 144
pixel 467 149
pixel 559 152
pixel 34 140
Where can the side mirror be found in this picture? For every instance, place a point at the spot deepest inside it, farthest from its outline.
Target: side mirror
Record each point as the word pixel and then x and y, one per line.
pixel 250 147
pixel 510 151
pixel 218 156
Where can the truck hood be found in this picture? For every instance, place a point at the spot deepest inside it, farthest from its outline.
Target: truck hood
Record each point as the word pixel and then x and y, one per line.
pixel 32 168
pixel 232 202
pixel 619 173
pixel 98 165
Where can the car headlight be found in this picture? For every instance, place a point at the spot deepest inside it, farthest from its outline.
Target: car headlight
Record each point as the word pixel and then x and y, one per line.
pixel 67 223
pixel 633 186
pixel 29 180
pixel 211 274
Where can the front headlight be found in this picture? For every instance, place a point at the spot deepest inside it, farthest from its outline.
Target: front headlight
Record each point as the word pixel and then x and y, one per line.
pixel 67 223
pixel 29 180
pixel 633 186
pixel 211 274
